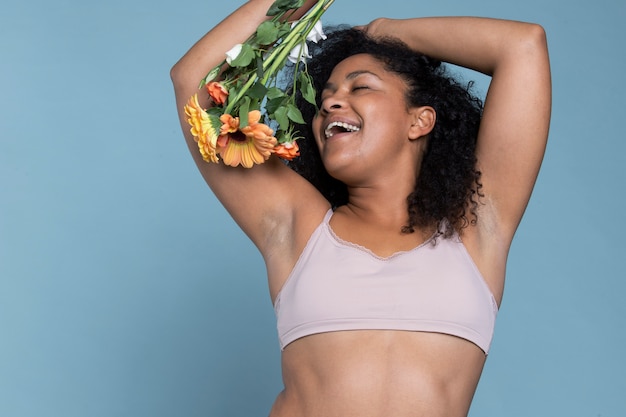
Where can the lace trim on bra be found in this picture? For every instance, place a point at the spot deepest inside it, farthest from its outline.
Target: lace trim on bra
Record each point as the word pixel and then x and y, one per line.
pixel 361 248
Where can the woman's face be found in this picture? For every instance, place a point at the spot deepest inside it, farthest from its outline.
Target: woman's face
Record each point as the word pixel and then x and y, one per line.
pixel 364 121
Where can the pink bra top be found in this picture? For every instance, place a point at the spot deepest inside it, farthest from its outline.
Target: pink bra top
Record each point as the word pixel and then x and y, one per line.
pixel 337 286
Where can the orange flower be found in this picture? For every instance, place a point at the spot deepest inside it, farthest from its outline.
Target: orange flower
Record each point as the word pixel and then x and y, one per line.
pixel 203 129
pixel 287 150
pixel 218 92
pixel 230 124
pixel 252 144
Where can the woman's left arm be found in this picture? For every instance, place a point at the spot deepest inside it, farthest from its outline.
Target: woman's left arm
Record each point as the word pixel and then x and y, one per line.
pixel 516 118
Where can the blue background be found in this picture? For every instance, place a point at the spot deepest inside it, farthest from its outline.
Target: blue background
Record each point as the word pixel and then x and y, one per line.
pixel 126 290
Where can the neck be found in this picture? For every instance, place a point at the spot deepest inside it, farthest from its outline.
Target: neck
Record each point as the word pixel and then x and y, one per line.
pixel 380 197
pixel 384 204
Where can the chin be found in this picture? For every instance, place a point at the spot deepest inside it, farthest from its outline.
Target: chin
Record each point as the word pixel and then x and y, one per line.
pixel 347 173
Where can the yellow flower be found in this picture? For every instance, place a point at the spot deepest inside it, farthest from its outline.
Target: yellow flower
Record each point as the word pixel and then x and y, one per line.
pixel 252 144
pixel 203 130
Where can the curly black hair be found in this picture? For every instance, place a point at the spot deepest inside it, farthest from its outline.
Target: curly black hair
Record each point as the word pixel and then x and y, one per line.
pixel 448 185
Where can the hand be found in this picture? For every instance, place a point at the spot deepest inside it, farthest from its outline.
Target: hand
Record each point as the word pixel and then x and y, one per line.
pixel 378 28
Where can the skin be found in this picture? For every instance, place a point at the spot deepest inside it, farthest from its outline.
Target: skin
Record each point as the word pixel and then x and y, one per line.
pixel 380 111
pixel 373 372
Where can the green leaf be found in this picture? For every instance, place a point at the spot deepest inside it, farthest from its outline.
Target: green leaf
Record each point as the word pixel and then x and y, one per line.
pixel 274 104
pixel 245 57
pixel 257 91
pixel 243 112
pixel 259 67
pixel 215 112
pixel 284 29
pixel 306 88
pixel 275 92
pixel 294 114
pixel 267 32
pixel 281 6
pixel 281 117
pixel 232 91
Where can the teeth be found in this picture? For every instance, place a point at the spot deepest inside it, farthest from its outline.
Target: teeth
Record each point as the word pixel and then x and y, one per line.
pixel 351 128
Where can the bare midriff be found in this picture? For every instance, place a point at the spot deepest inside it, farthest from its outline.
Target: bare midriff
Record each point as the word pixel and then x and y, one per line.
pixel 378 373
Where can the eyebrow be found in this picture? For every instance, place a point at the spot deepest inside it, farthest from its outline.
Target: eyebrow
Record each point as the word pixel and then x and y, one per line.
pixel 351 76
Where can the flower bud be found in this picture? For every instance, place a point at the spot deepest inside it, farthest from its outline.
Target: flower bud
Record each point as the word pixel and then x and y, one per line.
pixel 233 53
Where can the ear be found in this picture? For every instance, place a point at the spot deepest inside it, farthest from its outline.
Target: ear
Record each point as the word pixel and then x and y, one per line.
pixel 422 121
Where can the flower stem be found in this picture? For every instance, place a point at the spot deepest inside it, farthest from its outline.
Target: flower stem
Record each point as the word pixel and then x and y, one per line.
pixel 279 54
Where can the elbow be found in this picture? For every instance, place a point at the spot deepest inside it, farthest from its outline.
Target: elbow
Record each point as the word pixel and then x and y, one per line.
pixel 535 38
pixel 185 72
pixel 184 81
pixel 177 74
pixel 527 44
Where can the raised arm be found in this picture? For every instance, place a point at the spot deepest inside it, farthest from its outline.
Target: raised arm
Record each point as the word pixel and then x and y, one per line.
pixel 210 50
pixel 255 197
pixel 516 117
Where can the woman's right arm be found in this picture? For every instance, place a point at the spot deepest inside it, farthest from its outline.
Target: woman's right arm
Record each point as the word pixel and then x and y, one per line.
pixel 257 197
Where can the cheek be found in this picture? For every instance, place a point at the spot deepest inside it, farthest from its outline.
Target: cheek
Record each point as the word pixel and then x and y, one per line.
pixel 316 126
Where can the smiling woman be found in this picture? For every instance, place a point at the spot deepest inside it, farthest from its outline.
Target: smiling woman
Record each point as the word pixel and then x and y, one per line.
pixel 386 243
pixel 362 93
pixel 447 112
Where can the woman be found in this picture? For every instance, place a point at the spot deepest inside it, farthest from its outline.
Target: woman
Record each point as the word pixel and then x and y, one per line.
pixel 386 304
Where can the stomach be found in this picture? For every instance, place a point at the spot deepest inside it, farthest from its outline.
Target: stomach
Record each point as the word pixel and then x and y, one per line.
pixel 378 373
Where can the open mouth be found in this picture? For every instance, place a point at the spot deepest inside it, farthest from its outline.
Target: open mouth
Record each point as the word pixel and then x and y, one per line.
pixel 339 127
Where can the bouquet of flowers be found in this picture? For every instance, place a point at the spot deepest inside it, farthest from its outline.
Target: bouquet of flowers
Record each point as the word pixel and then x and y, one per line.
pixel 232 127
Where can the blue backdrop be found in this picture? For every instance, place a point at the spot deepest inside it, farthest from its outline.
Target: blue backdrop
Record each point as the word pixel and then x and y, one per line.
pixel 126 290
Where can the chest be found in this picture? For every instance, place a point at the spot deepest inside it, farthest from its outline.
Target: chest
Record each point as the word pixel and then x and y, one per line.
pixel 338 285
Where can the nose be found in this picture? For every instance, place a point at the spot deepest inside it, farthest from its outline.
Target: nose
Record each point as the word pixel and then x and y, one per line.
pixel 332 102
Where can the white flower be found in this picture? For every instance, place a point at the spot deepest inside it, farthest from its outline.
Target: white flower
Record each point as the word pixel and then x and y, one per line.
pixel 316 34
pixel 299 54
pixel 301 51
pixel 233 53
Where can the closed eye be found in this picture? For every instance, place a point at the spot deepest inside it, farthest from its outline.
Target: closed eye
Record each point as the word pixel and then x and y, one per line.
pixel 360 87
